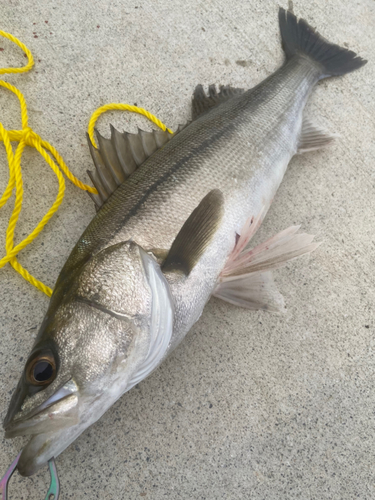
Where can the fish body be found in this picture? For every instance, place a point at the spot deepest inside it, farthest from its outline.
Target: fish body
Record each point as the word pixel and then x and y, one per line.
pixel 167 239
pixel 242 148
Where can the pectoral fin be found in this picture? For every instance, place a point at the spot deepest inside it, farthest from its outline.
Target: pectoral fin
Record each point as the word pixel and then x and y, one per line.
pixel 196 234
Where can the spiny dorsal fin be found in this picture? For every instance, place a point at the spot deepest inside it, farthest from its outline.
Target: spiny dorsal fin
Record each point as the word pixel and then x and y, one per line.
pixel 196 234
pixel 116 158
pixel 312 137
pixel 202 103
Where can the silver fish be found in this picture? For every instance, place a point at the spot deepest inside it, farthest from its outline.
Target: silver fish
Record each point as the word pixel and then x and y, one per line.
pixel 176 213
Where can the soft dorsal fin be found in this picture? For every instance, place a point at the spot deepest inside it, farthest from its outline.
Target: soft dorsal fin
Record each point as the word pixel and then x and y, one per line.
pixel 202 103
pixel 116 158
pixel 196 234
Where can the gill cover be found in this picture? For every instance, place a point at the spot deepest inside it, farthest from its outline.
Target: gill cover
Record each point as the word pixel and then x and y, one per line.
pixel 161 325
pixel 111 330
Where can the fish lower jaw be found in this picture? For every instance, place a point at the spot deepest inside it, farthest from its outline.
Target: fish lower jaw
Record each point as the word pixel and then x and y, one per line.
pixel 44 446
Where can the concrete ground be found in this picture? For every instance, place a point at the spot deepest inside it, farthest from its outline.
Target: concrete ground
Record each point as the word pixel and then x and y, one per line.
pixel 251 405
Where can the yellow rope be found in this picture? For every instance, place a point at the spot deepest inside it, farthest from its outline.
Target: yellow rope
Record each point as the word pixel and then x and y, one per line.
pixel 122 107
pixel 29 55
pixel 27 137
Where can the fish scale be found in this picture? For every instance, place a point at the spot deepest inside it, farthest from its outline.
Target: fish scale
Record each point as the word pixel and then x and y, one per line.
pixel 242 147
pixel 210 153
pixel 174 233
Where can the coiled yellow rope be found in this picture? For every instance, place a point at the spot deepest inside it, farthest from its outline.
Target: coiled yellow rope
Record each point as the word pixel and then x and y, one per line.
pixel 27 137
pixel 122 107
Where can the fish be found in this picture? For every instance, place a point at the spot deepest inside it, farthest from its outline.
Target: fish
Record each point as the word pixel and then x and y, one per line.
pixel 175 215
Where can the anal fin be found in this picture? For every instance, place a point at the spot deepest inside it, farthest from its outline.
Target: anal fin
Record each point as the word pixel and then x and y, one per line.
pixel 312 137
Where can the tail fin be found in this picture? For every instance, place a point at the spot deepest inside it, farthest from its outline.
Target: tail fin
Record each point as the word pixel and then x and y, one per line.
pixel 300 38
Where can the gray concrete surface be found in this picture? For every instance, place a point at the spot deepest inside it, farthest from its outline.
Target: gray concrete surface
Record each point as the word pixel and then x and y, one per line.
pixel 251 405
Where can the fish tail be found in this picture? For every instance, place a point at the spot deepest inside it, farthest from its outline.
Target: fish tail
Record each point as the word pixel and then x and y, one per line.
pixel 298 37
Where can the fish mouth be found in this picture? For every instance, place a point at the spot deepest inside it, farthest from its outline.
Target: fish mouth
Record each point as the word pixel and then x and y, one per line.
pixel 42 447
pixel 46 424
pixel 59 411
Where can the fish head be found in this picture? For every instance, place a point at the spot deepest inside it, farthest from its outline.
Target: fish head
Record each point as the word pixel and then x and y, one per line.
pixel 94 344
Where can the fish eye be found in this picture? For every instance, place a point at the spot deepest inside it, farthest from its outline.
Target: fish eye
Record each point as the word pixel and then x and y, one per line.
pixel 41 370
